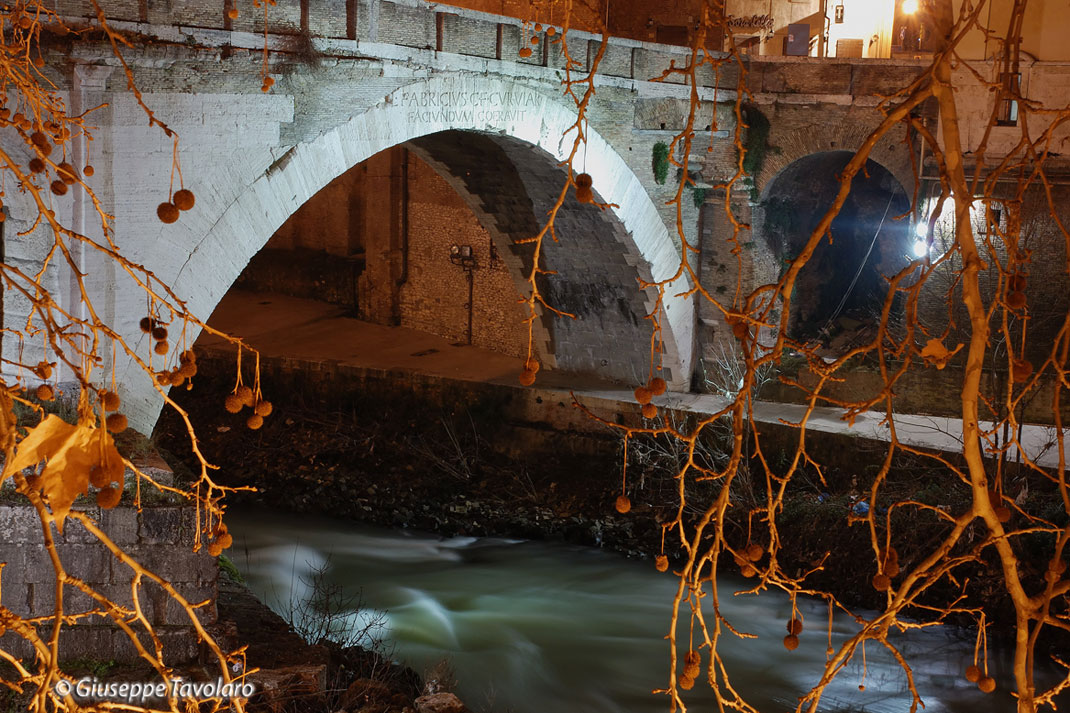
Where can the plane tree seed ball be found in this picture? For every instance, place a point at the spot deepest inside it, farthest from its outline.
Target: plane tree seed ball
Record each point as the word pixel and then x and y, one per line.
pixel 881 582
pixel 264 409
pixel 167 212
pixel 254 422
pixel 661 563
pixel 623 504
pixel 160 348
pixel 973 674
pixel 45 393
pixel 115 422
pixel 795 626
pixel 754 552
pixel 183 199
pixel 232 403
pixel 791 642
pixel 159 333
pixel 246 395
pixel 657 386
pixel 642 395
pixel 650 411
pixel 987 684
pixel 98 477
pixel 527 377
pixel 109 497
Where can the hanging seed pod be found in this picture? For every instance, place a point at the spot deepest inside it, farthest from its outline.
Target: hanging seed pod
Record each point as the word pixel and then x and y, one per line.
pixel 245 394
pixel 88 170
pixel 188 355
pixel 59 188
pixel 1021 370
pixel 650 411
pixel 40 139
pixel 160 348
pixel 1015 300
pixel 987 684
pixel 98 478
pixel 215 549
pixel 37 165
pixel 791 642
pixel 532 365
pixel 232 13
pixel 110 400
pixel 116 422
pixel 795 627
pixel 657 386
pixel 534 39
pixel 183 199
pixel 973 674
pixel 524 52
pixel 748 570
pixel 661 563
pixel 584 193
pixel 188 369
pixel 254 422
pixel 754 552
pixel 43 369
pixel 538 27
pixel 551 31
pixel 527 377
pixel 66 173
pixel 881 582
pixel 623 504
pixel 176 378
pixel 1016 282
pixel 1003 513
pixel 45 393
pixel 109 497
pixel 686 682
pixel 642 395
pixel 159 333
pixel 232 403
pixel 264 409
pixel 167 212
pixel 147 324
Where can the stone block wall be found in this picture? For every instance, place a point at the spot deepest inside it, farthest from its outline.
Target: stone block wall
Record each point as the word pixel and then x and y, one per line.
pixel 160 538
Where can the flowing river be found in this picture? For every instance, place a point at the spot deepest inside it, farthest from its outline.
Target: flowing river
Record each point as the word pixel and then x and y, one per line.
pixel 536 627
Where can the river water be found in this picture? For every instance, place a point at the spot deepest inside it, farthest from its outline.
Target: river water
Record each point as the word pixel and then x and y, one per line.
pixel 535 627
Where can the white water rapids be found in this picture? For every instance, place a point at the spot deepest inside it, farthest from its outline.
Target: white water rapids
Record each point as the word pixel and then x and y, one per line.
pixel 535 627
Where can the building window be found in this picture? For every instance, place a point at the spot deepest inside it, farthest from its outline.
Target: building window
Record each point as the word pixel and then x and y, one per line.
pixel 1008 106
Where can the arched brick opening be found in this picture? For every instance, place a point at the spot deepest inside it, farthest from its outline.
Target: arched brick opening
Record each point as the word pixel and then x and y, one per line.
pixel 839 292
pixel 237 220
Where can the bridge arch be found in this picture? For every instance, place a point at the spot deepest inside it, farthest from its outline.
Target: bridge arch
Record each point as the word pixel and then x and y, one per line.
pixel 839 292
pixel 498 107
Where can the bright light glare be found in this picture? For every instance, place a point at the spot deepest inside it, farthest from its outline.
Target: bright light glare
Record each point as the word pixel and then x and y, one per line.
pixel 921 249
pixel 921 229
pixel 910 6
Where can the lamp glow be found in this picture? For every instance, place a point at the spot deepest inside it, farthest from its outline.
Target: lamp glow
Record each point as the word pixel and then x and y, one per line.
pixel 921 248
pixel 921 229
pixel 910 6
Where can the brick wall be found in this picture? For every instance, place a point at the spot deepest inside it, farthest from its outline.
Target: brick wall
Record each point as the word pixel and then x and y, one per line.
pixel 160 538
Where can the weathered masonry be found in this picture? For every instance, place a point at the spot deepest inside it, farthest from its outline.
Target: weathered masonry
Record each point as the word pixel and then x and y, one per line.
pixel 373 98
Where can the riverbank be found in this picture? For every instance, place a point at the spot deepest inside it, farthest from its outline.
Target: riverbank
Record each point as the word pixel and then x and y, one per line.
pixel 449 463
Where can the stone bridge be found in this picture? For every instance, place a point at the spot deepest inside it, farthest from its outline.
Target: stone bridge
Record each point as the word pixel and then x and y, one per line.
pixel 357 77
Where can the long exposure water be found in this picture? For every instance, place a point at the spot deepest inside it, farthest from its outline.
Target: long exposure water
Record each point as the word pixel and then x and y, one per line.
pixel 535 627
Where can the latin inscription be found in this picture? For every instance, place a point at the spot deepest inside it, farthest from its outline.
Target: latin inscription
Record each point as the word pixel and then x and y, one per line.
pixel 469 107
